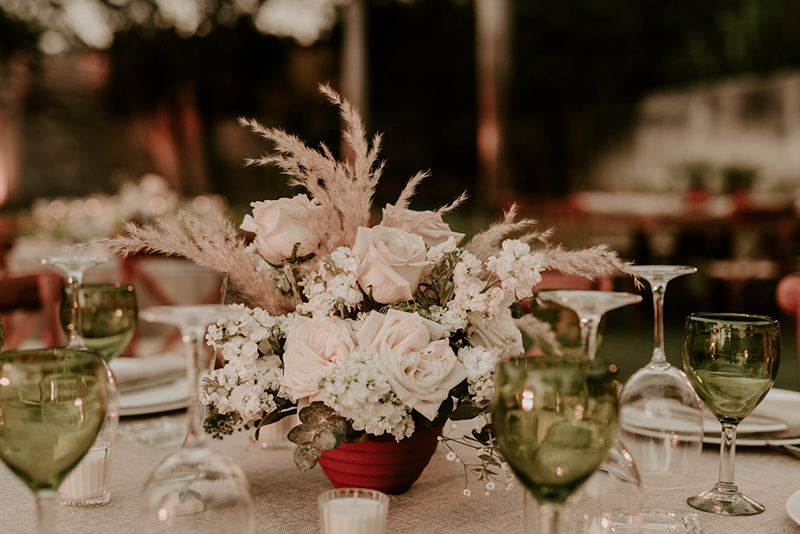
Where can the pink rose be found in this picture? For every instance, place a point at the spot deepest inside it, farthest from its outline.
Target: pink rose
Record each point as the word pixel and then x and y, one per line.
pixel 392 263
pixel 500 332
pixel 406 349
pixel 426 224
pixel 314 347
pixel 280 224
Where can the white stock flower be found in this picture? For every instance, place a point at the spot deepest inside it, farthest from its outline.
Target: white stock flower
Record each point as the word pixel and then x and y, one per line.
pixel 498 332
pixel 420 370
pixel 517 268
pixel 392 263
pixel 359 392
pixel 437 252
pixel 426 224
pixel 480 363
pixel 314 347
pixel 281 224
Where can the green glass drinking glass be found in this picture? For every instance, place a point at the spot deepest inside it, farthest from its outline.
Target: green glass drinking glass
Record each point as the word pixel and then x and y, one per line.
pixel 109 316
pixel 53 403
pixel 731 361
pixel 555 420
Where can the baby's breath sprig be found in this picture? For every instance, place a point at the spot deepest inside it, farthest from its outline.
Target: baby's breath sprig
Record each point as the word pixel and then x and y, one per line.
pixel 490 467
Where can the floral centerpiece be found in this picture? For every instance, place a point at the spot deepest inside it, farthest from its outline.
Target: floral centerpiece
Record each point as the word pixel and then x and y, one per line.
pixel 364 330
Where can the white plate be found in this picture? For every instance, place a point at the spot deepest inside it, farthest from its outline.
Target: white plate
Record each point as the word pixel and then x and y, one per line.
pixel 793 506
pixel 173 396
pixel 775 396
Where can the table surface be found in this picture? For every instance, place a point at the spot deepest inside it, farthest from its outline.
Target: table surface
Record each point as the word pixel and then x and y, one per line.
pixel 286 500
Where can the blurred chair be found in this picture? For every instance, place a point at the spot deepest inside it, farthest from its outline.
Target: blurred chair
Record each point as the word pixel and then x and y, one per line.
pixel 29 305
pixel 787 295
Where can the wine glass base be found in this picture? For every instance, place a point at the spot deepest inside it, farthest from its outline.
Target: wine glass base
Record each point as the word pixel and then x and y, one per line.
pixel 651 522
pixel 725 502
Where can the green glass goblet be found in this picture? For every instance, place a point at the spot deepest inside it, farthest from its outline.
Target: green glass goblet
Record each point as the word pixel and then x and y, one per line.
pixel 731 361
pixel 53 403
pixel 555 421
pixel 109 315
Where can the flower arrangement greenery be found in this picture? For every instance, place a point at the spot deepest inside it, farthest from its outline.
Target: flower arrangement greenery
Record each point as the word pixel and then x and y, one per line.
pixel 363 330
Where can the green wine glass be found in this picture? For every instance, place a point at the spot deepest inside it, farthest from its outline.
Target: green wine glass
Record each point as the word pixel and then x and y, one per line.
pixel 555 421
pixel 109 316
pixel 53 403
pixel 731 361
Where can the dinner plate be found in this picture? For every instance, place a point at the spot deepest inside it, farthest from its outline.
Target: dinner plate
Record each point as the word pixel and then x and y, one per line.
pixel 776 400
pixel 793 506
pixel 173 396
pixel 752 424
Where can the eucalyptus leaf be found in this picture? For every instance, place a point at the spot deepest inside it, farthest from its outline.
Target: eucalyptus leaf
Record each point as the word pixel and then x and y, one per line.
pixel 306 457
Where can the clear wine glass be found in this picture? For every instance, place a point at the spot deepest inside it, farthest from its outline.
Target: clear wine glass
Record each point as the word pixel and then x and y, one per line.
pixel 731 361
pixel 661 416
pixel 196 487
pixel 74 267
pixel 555 420
pixel 53 403
pixel 590 306
pixel 613 495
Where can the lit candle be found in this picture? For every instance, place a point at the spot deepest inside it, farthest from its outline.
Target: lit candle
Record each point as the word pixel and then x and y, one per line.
pixel 353 511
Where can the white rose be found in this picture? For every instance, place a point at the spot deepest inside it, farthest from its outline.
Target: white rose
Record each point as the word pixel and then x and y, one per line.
pixel 391 263
pixel 280 224
pixel 421 372
pixel 500 332
pixel 314 347
pixel 426 224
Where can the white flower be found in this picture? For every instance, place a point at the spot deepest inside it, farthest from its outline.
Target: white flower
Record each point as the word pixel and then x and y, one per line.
pixel 392 263
pixel 358 391
pixel 467 493
pixel 479 363
pixel 517 268
pixel 426 224
pixel 281 224
pixel 437 253
pixel 499 332
pixel 314 347
pixel 420 371
pixel 451 456
pixel 490 485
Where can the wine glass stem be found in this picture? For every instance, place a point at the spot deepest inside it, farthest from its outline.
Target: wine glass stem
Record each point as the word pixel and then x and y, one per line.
pixel 193 340
pixel 46 512
pixel 75 278
pixel 589 324
pixel 549 515
pixel 727 457
pixel 658 312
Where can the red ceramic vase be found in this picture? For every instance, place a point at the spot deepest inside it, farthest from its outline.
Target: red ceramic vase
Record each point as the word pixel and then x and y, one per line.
pixel 381 463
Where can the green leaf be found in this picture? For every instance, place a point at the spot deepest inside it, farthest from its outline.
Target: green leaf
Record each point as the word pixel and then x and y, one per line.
pixel 441 417
pixel 489 460
pixel 484 436
pixel 467 410
pixel 306 457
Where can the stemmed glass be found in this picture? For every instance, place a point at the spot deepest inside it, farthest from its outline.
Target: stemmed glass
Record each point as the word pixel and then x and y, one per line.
pixel 555 420
pixel 731 361
pixel 590 306
pixel 614 492
pixel 108 316
pixel 53 403
pixel 74 268
pixel 661 417
pixel 196 486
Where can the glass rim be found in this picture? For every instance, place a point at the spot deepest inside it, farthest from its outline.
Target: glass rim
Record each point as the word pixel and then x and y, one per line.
pixel 344 493
pixel 571 362
pixel 732 318
pixel 106 286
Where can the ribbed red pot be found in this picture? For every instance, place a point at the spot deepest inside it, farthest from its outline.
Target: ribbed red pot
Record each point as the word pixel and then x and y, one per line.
pixel 381 463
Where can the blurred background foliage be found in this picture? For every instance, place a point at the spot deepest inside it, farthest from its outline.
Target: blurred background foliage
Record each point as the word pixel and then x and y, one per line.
pixel 578 68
